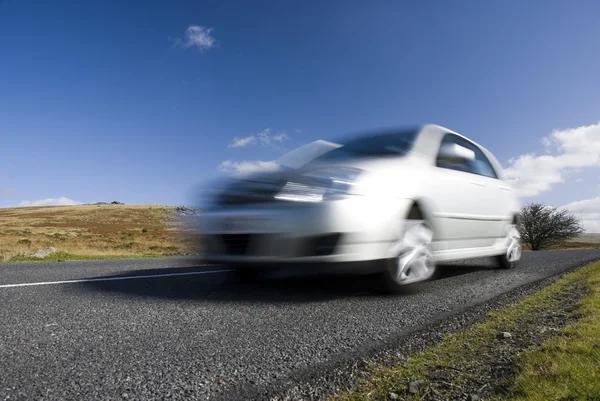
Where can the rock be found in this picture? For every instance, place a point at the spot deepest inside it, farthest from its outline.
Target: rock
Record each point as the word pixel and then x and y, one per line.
pixel 473 397
pixel 392 396
pixel 116 203
pixel 441 375
pixel 101 203
pixel 545 329
pixel 416 386
pixel 502 335
pixel 188 211
pixel 144 230
pixel 42 253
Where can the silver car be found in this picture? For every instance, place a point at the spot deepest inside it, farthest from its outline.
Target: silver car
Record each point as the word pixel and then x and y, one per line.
pixel 396 203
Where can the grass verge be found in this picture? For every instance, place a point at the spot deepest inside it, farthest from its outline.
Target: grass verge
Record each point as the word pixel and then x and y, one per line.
pixel 566 367
pixel 536 360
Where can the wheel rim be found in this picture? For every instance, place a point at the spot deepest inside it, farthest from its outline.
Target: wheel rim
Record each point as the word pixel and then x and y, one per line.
pixel 513 253
pixel 413 261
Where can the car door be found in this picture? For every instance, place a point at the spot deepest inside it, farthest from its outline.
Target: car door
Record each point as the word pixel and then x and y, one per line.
pixel 464 199
pixel 494 208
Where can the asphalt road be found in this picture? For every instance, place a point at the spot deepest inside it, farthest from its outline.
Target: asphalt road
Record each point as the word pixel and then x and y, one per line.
pixel 167 328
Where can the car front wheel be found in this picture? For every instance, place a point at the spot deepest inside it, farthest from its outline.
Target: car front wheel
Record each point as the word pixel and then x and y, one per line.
pixel 412 260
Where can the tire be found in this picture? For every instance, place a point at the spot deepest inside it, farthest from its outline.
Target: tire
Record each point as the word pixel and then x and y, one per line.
pixel 504 263
pixel 412 262
pixel 510 259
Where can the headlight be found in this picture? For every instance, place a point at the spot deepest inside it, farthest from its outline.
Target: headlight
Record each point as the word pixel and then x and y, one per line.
pixel 320 185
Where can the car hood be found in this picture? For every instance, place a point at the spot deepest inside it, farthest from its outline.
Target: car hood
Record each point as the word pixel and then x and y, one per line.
pixel 377 174
pixel 369 166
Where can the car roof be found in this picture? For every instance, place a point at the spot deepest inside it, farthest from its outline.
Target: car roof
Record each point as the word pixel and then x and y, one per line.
pixel 434 132
pixel 441 130
pixel 445 130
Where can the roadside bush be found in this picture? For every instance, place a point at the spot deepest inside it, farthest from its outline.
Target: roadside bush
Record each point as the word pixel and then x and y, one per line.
pixel 542 226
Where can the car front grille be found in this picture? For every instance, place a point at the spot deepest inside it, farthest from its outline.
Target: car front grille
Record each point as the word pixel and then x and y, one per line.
pixel 323 245
pixel 236 244
pixel 244 244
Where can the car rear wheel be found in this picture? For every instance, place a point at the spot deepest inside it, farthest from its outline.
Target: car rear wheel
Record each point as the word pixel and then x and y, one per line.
pixel 510 259
pixel 412 261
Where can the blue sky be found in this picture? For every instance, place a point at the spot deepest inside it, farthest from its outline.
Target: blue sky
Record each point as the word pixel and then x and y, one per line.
pixel 113 100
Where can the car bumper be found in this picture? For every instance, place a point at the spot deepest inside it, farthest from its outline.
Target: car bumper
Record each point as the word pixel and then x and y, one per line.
pixel 349 230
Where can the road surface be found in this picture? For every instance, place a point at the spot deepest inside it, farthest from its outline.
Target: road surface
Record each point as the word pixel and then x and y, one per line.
pixel 170 329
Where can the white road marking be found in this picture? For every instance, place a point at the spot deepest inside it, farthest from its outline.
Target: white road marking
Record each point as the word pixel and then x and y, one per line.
pixel 88 280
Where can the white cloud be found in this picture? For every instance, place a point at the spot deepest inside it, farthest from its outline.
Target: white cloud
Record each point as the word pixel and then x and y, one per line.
pixel 197 36
pixel 280 137
pixel 241 142
pixel 567 151
pixel 248 167
pixel 62 201
pixel 264 138
pixel 589 212
pixel 579 180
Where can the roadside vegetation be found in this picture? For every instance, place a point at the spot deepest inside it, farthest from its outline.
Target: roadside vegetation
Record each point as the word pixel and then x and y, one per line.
pixel 546 346
pixel 545 227
pixel 93 232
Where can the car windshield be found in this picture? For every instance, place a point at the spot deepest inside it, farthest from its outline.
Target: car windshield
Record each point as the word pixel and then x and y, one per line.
pixel 305 153
pixel 388 144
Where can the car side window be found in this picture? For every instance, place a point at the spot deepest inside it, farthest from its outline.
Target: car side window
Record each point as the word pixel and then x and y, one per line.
pixel 458 165
pixel 480 166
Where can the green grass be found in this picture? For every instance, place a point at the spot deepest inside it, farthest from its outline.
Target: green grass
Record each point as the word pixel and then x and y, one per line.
pixel 63 256
pixel 578 362
pixel 566 367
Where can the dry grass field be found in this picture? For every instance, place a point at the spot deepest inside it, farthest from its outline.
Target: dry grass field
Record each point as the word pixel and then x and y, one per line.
pixel 576 245
pixel 93 231
pixel 589 238
pixel 583 241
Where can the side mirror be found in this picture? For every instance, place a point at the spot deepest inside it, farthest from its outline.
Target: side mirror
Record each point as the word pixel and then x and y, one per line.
pixel 451 152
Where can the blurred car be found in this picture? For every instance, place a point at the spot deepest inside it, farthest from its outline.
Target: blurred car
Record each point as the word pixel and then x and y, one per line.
pixel 396 203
